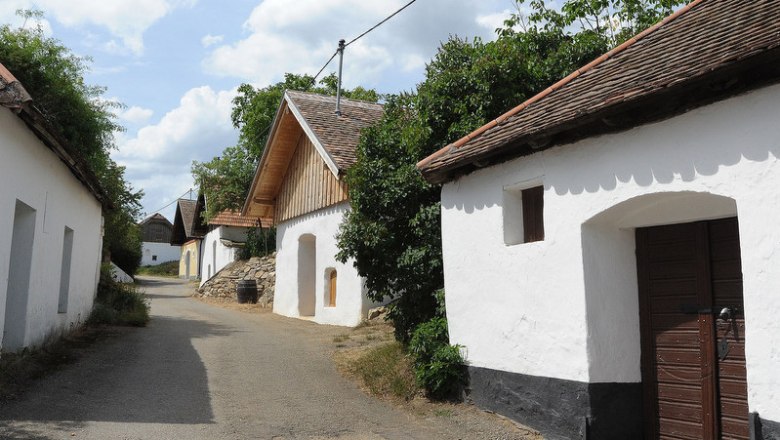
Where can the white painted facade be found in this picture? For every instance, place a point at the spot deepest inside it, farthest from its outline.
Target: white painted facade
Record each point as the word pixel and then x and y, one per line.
pixel 567 307
pixel 50 240
pixel 306 250
pixel 157 253
pixel 216 254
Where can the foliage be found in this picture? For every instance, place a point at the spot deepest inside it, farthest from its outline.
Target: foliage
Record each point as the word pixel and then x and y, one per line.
pixel 54 77
pixel 386 370
pixel 259 243
pixel 438 366
pixel 393 230
pixel 225 180
pixel 117 303
pixel 165 269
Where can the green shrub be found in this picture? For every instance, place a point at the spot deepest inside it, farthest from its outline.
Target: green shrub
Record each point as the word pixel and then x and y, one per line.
pixel 118 303
pixel 259 243
pixel 167 269
pixel 438 366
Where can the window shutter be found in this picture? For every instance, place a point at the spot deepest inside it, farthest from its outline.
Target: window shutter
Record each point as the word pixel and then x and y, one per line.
pixel 533 209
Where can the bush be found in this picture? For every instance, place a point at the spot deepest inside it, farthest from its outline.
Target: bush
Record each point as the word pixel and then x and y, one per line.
pixel 438 366
pixel 118 303
pixel 167 269
pixel 259 243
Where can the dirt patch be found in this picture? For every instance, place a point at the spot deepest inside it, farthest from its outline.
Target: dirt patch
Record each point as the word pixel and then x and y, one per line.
pixel 230 303
pixel 463 420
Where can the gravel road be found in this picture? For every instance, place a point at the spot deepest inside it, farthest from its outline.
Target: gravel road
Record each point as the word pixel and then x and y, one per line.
pixel 203 372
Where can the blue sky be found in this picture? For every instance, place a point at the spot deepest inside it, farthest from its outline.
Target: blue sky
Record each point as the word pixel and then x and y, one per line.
pixel 175 64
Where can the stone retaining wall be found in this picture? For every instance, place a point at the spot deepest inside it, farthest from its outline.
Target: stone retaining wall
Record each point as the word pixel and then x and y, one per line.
pixel 260 269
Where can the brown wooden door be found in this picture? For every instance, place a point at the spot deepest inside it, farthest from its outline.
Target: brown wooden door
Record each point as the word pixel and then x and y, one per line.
pixel 693 362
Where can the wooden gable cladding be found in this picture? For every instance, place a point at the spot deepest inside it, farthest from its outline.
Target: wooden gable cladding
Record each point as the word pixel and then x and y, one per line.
pixel 308 185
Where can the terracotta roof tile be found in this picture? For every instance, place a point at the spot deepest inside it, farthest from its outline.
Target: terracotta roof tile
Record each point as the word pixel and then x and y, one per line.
pixel 339 135
pixel 709 50
pixel 233 218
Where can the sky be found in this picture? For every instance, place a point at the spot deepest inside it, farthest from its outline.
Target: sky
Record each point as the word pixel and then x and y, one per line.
pixel 175 64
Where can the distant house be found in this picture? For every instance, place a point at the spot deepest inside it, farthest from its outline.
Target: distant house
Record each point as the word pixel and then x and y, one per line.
pixel 50 225
pixel 226 237
pixel 611 246
pixel 188 232
pixel 156 245
pixel 299 187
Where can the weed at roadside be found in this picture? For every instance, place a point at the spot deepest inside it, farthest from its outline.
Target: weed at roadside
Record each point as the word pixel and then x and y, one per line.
pixel 386 370
pixel 118 303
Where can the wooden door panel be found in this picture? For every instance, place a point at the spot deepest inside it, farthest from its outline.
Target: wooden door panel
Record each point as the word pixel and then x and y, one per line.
pixel 690 393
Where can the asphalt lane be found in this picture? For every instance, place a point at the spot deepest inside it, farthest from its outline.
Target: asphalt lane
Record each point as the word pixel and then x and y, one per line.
pixel 203 372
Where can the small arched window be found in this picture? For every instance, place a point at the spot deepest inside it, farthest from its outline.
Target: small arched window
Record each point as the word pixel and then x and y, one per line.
pixel 331 288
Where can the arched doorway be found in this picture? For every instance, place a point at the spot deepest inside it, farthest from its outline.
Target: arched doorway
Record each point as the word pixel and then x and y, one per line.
pixel 307 278
pixel 658 270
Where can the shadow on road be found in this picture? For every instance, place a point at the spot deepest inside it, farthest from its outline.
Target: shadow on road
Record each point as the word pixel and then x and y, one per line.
pixel 151 375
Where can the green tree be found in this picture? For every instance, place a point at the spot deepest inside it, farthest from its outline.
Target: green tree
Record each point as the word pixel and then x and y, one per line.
pixel 393 230
pixel 225 180
pixel 54 77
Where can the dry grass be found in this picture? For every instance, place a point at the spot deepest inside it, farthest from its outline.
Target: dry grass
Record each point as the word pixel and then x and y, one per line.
pixel 230 303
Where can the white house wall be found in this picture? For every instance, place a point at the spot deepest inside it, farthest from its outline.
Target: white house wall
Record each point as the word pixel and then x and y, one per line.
pixel 215 254
pixel 536 309
pixel 351 303
pixel 33 175
pixel 164 252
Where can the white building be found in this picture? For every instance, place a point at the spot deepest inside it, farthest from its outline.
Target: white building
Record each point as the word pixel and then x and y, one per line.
pixel 299 187
pixel 187 233
pixel 223 243
pixel 50 226
pixel 156 247
pixel 611 247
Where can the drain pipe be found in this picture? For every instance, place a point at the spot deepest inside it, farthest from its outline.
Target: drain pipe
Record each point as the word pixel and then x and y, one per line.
pixel 338 87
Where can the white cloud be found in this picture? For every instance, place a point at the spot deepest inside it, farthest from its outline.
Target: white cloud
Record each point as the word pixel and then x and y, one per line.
pixel 126 20
pixel 136 115
pixel 300 36
pixel 210 40
pixel 493 21
pixel 158 156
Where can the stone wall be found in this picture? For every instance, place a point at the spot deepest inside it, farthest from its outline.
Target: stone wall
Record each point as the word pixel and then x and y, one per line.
pixel 261 269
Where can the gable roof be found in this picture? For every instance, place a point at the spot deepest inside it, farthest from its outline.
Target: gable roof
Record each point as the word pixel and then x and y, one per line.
pixel 335 138
pixel 156 218
pixel 233 218
pixel 707 51
pixel 186 223
pixel 14 97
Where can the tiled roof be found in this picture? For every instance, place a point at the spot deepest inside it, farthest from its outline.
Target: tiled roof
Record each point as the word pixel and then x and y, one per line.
pixel 14 97
pixel 156 218
pixel 233 218
pixel 186 222
pixel 707 51
pixel 339 135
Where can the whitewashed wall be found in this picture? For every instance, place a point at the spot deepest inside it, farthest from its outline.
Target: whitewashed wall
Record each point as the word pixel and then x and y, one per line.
pixel 546 308
pixel 189 259
pixel 351 302
pixel 32 174
pixel 215 254
pixel 164 251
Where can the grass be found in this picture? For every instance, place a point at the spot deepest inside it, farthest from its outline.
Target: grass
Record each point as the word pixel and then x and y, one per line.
pixel 118 304
pixel 167 269
pixel 386 370
pixel 341 338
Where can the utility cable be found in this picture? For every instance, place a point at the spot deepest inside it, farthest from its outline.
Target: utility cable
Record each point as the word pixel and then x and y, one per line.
pixel 169 204
pixel 363 34
pixel 380 23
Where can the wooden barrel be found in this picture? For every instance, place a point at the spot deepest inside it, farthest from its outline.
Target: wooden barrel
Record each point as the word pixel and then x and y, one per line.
pixel 246 291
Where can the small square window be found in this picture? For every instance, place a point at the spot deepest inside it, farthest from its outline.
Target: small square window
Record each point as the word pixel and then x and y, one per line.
pixel 154 257
pixel 523 215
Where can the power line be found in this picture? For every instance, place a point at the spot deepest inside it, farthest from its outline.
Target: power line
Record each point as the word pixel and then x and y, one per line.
pixel 362 35
pixel 174 201
pixel 380 23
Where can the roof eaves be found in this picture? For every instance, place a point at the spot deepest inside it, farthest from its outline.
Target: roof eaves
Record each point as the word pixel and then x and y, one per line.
pixel 558 85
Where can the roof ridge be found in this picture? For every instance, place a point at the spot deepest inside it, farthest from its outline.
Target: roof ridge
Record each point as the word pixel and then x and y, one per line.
pixel 330 98
pixel 558 85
